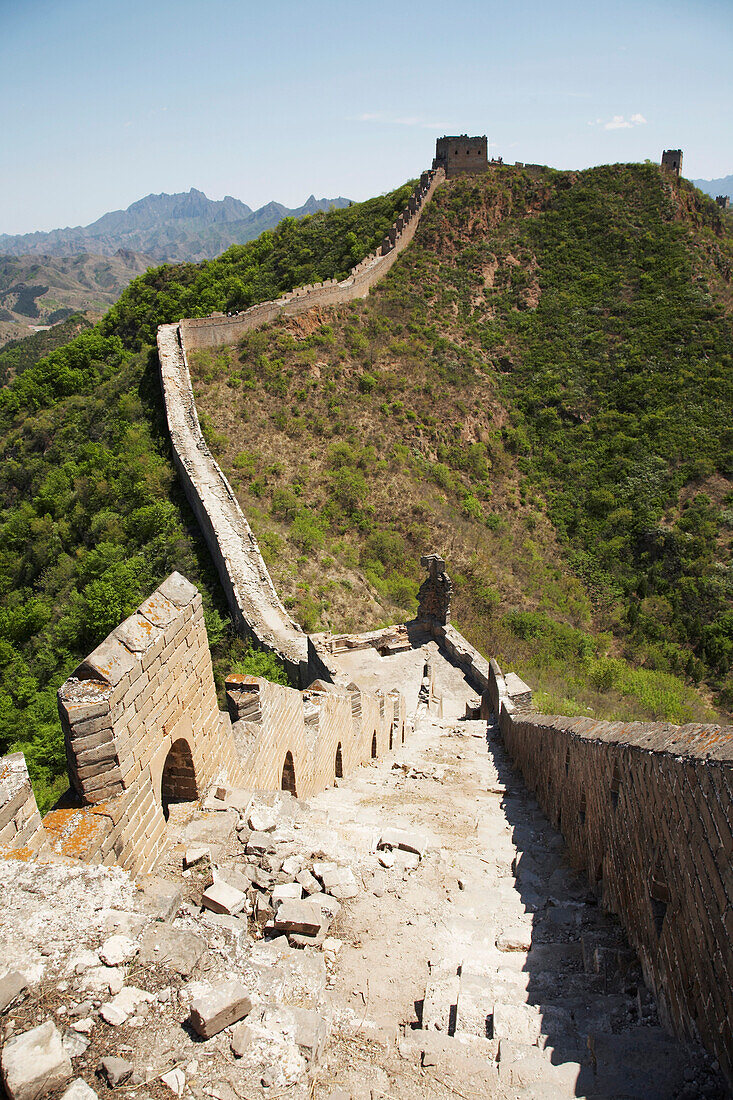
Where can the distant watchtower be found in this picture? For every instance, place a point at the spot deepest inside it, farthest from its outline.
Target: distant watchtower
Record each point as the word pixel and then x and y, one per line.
pixel 672 159
pixel 723 201
pixel 462 155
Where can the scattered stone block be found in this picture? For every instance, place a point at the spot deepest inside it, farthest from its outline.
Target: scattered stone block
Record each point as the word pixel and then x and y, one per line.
pixel 241 1039
pixel 79 1090
pixel 116 1070
pixel 303 917
pixel 113 1015
pixel 174 948
pixel 196 856
pixel 292 865
pixel 223 898
pixel 117 950
pixel 83 1026
pixel 261 818
pixel 74 1044
pixel 258 844
pixel 308 881
pixel 340 883
pixel 289 891
pixel 221 1006
pixel 13 988
pixel 35 1063
pixel 407 840
pixel 319 869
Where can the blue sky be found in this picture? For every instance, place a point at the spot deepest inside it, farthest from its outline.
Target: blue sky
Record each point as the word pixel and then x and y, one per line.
pixel 104 101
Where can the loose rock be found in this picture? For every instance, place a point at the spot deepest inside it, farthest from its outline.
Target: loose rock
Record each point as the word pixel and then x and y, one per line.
pixel 219 1007
pixel 35 1062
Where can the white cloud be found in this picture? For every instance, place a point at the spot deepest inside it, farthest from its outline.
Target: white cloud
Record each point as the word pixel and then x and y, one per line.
pixel 620 122
pixel 397 120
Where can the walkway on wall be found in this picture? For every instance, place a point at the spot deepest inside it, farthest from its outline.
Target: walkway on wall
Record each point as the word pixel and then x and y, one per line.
pixel 487 970
pixel 242 570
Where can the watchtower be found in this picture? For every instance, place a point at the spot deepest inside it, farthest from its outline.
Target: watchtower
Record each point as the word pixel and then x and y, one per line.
pixel 672 159
pixel 462 155
pixel 723 201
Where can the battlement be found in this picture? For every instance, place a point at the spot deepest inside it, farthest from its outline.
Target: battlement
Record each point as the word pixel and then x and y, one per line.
pixel 672 160
pixel 462 155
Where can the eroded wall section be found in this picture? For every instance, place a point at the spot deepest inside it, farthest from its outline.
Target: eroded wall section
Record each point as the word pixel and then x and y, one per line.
pixel 647 810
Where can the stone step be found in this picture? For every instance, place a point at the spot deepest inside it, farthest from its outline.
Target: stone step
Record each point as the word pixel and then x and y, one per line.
pixel 440 1005
pixel 522 1066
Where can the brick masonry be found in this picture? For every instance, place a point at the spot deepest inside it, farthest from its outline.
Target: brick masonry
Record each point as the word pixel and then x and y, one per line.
pixel 647 810
pixel 254 603
pixel 21 827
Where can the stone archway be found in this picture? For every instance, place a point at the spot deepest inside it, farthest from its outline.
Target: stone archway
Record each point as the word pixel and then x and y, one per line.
pixel 288 776
pixel 178 781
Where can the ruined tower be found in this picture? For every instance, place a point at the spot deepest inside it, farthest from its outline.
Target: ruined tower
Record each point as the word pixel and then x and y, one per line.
pixel 462 155
pixel 672 159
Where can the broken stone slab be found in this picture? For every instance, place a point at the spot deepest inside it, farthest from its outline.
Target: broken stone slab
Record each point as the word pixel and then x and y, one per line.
pixel 261 818
pixel 306 1028
pixel 117 950
pixel 116 1070
pixel 113 1015
pixel 223 898
pixel 407 840
pixel 196 855
pixel 74 1044
pixel 289 891
pixel 293 865
pixel 174 948
pixel 520 1023
pixel 320 868
pixel 258 844
pixel 219 1007
pixel 162 897
pixel 242 1037
pixel 340 883
pixel 79 1090
pixel 521 1066
pixel 302 917
pixel 35 1062
pixel 175 1079
pixel 308 881
pixel 13 988
pixel 116 1011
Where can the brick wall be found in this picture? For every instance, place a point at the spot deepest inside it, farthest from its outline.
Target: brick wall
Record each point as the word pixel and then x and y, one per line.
pixel 647 810
pixel 141 723
pixel 20 822
pixel 310 726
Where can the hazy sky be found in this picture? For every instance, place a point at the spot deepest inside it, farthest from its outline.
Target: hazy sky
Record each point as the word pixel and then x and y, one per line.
pixel 106 101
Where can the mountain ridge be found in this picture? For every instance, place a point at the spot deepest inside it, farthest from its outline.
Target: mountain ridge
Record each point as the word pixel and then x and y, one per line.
pixel 721 186
pixel 186 226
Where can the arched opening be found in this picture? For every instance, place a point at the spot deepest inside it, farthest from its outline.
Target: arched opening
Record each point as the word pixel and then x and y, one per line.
pixel 339 768
pixel 390 738
pixel 403 733
pixel 288 779
pixel 374 745
pixel 178 783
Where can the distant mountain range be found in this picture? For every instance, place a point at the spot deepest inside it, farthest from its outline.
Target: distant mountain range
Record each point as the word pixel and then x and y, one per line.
pixel 176 228
pixel 38 291
pixel 722 186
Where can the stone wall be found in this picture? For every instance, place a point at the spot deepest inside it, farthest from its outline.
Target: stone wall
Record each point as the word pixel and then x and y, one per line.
pixel 21 828
pixel 141 724
pixel 253 601
pixel 271 722
pixel 647 810
pixel 219 330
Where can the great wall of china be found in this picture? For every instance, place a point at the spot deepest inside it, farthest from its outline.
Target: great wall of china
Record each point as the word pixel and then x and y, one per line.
pixel 646 809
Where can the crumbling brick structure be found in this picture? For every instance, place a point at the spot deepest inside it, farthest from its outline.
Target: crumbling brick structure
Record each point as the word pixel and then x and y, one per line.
pixel 462 155
pixel 723 201
pixel 672 160
pixel 435 592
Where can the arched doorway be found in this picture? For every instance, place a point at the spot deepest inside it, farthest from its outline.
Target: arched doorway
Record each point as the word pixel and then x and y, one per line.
pixel 374 745
pixel 339 768
pixel 178 783
pixel 390 737
pixel 288 779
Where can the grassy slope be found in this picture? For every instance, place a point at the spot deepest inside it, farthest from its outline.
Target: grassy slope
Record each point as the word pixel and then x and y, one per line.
pixel 92 518
pixel 541 391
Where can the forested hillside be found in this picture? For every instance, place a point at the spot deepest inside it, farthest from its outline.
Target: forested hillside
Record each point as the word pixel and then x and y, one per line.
pixel 92 519
pixel 540 390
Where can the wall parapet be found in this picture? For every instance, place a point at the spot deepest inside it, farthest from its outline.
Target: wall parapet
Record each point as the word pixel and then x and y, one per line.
pixel 253 601
pixel 20 822
pixel 646 808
